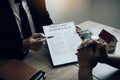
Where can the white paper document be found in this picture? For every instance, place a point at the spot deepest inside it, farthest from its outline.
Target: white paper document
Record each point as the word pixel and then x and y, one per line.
pixel 63 42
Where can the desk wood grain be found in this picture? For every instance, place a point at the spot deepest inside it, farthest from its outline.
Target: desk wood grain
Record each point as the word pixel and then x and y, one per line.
pixel 41 60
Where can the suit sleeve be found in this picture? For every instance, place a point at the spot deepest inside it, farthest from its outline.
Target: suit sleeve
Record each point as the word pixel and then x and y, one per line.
pixel 39 6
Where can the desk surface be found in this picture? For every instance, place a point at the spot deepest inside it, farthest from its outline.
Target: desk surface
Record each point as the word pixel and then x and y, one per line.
pixel 41 59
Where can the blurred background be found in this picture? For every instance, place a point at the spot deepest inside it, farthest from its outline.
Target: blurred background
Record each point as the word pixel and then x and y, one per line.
pixel 102 11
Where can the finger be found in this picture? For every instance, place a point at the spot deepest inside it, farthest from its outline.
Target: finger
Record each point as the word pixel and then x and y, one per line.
pixel 103 48
pixel 35 35
pixel 91 42
pixel 84 43
pixel 88 43
pixel 80 51
pixel 42 35
pixel 38 35
pixel 81 46
pixel 101 44
pixel 97 52
pixel 41 39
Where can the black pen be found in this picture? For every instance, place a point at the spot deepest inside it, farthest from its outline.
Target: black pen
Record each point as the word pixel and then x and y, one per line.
pixel 50 37
pixel 40 38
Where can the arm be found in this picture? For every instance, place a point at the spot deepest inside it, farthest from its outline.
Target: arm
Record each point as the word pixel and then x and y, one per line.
pixel 110 59
pixel 39 9
pixel 85 73
pixel 113 60
pixel 87 59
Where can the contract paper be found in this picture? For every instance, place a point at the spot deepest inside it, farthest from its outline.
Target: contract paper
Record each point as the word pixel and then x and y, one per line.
pixel 63 42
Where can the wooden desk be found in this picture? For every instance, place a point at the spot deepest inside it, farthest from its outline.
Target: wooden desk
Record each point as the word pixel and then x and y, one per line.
pixel 41 59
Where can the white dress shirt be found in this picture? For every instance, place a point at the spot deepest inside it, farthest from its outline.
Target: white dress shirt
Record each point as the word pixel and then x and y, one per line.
pixel 15 8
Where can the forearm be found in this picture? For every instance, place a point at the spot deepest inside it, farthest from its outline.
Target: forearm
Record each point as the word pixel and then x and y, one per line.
pixel 85 74
pixel 113 60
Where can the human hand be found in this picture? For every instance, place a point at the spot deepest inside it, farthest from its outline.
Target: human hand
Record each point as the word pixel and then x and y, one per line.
pixel 102 50
pixel 33 43
pixel 103 53
pixel 78 30
pixel 88 54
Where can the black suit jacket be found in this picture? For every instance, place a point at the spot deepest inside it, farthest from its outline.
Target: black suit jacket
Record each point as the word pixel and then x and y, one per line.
pixel 10 39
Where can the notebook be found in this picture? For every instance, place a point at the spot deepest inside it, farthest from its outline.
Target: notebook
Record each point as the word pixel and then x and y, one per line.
pixel 17 70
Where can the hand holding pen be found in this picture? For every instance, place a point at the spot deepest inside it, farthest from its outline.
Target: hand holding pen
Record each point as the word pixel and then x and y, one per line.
pixel 33 43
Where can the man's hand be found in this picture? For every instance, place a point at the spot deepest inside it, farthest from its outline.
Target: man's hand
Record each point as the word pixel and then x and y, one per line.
pixel 88 54
pixel 33 43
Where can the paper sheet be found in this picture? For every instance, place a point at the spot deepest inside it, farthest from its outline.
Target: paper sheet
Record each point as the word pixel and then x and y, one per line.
pixel 63 44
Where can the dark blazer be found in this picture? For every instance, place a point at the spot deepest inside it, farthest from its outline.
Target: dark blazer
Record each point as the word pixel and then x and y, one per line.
pixel 10 39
